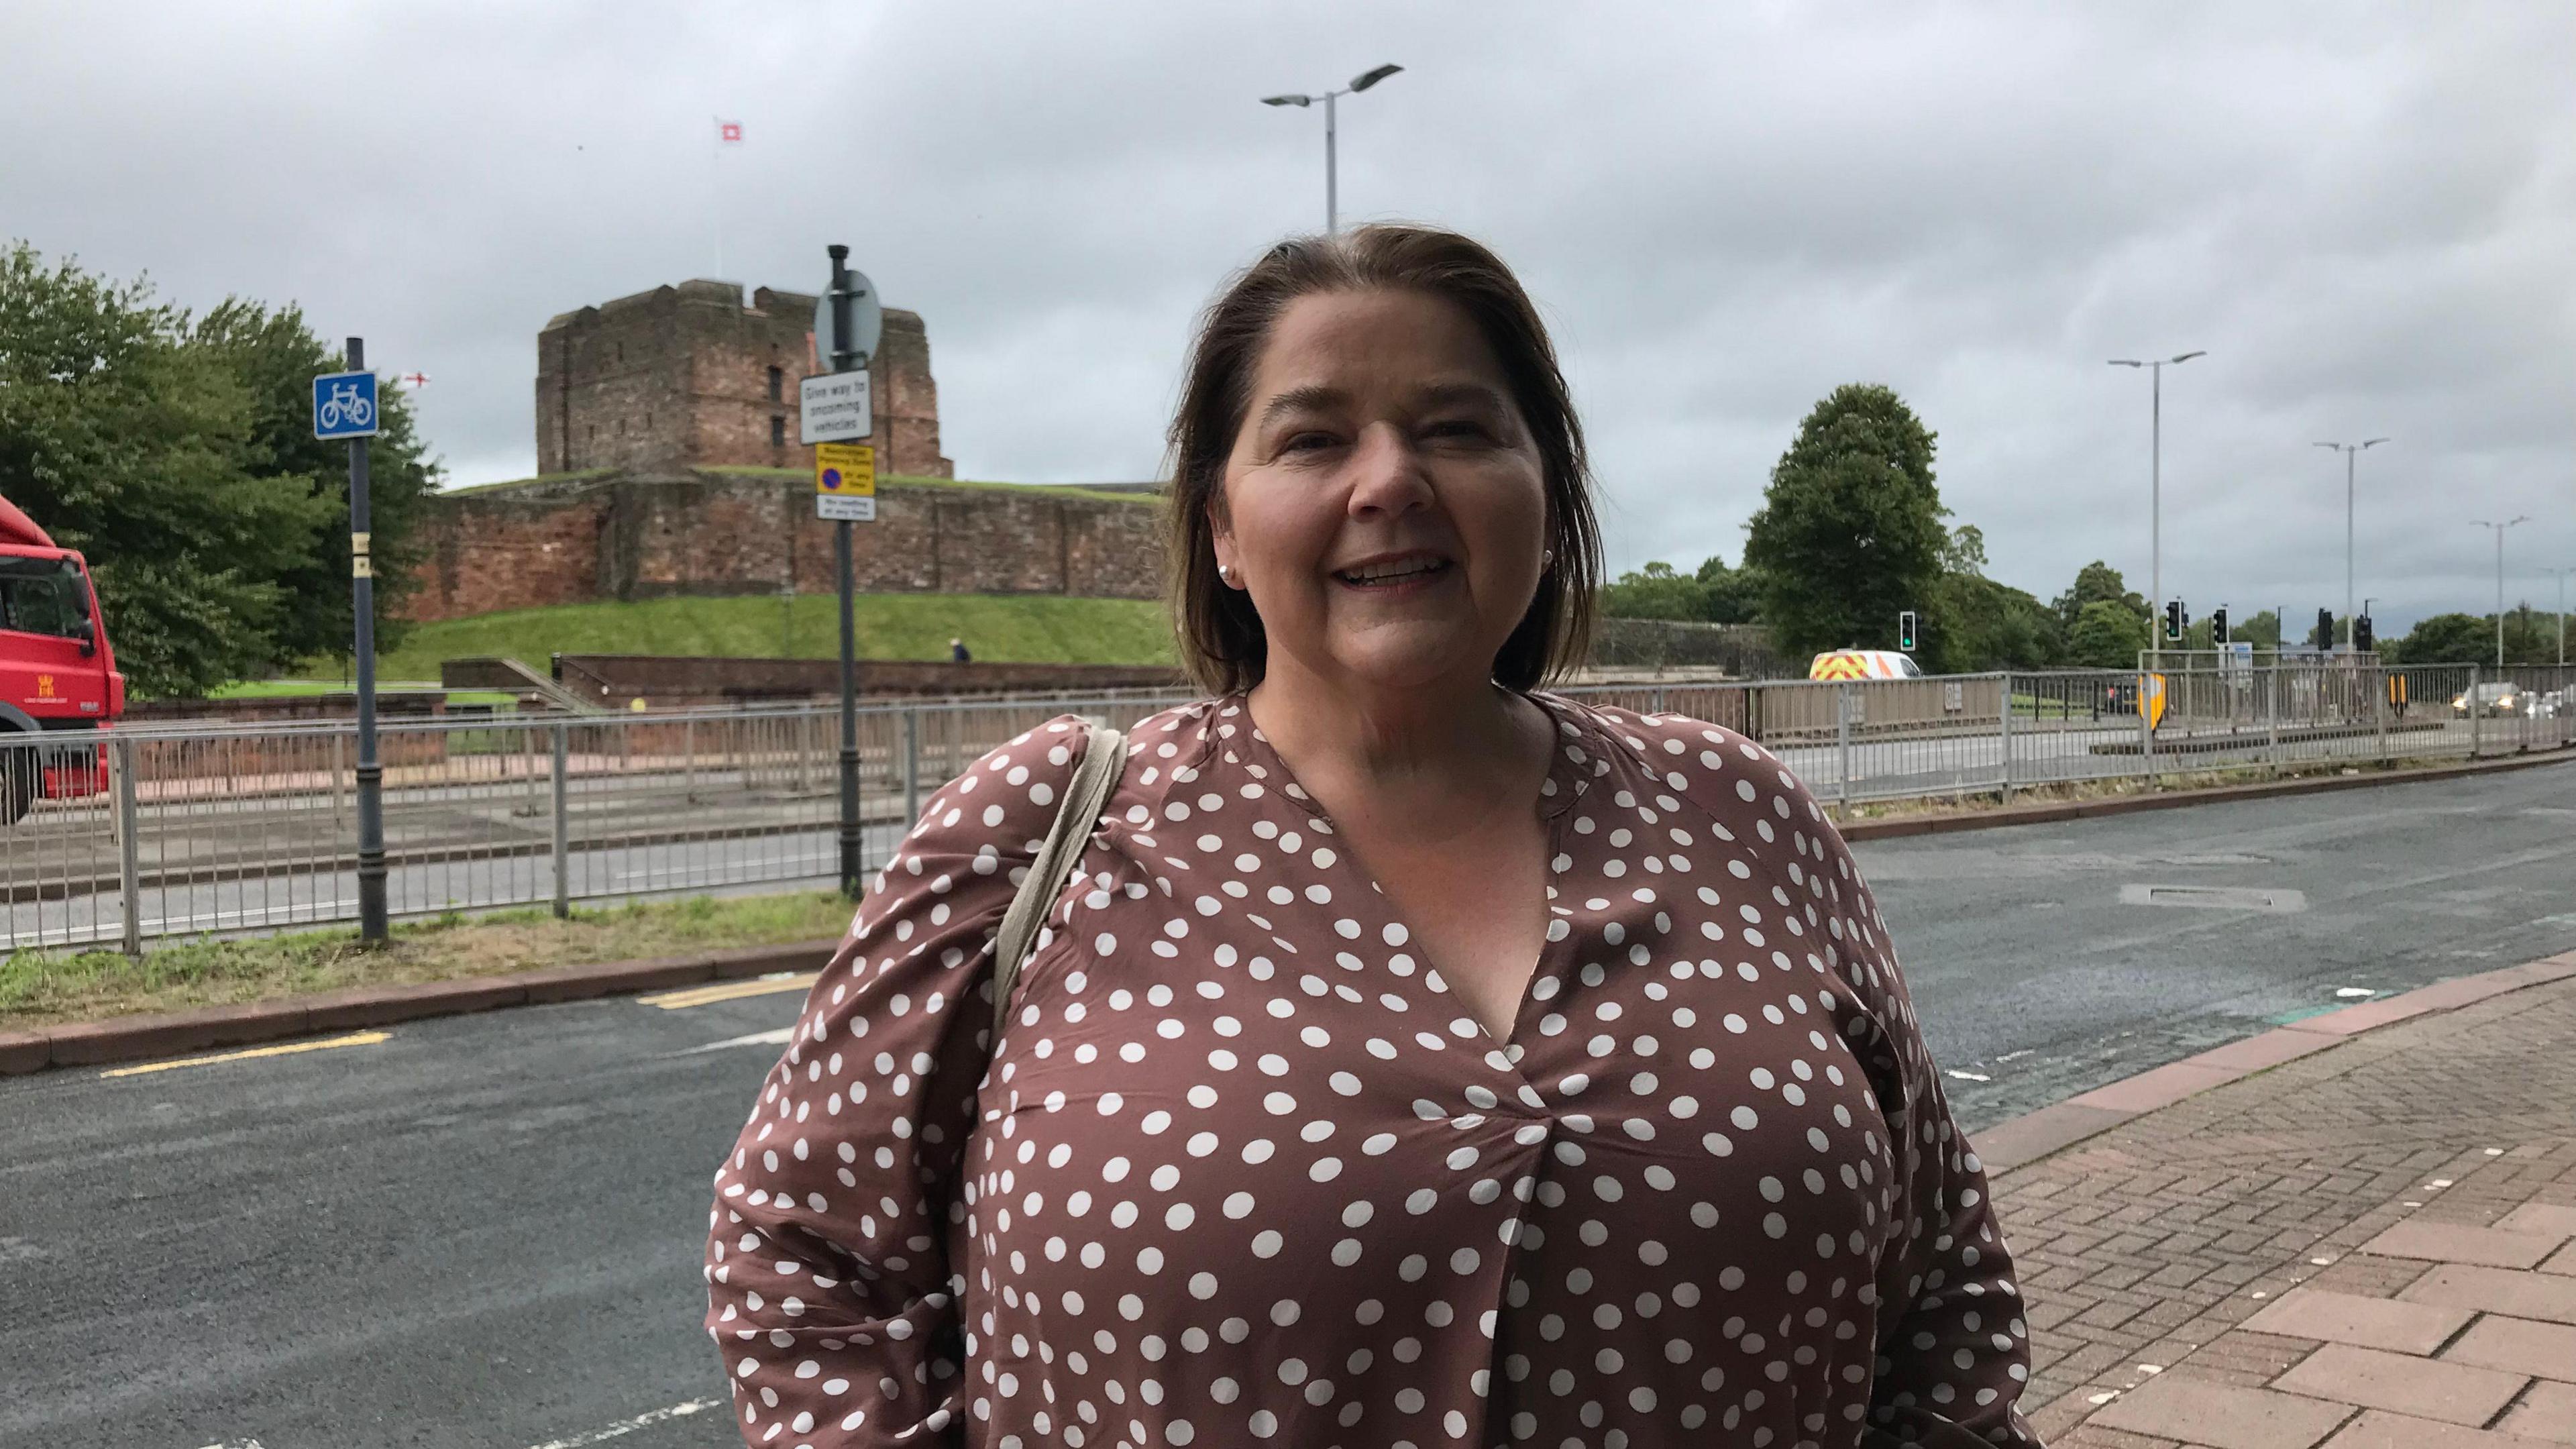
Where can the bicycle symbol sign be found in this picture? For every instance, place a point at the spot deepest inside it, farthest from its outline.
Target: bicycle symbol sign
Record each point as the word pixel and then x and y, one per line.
pixel 344 405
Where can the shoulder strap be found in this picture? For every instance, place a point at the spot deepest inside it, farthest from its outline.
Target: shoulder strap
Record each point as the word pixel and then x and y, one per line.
pixel 1104 757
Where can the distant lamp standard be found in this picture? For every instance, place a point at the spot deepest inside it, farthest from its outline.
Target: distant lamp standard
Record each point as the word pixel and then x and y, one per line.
pixel 2156 471
pixel 2499 535
pixel 1360 82
pixel 2348 450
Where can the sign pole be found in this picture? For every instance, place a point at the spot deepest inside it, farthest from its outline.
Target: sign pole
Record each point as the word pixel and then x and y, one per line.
pixel 846 359
pixel 371 775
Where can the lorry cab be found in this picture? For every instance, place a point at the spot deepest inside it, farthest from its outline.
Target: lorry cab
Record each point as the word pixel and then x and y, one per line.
pixel 58 676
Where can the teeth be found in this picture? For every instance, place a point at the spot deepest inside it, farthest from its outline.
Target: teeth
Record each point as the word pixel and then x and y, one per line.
pixel 1384 572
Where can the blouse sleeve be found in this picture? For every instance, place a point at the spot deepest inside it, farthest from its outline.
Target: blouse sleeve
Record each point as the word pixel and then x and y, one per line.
pixel 829 1292
pixel 1953 1336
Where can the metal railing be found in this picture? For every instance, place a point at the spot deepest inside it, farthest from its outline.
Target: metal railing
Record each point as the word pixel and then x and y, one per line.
pixel 215 829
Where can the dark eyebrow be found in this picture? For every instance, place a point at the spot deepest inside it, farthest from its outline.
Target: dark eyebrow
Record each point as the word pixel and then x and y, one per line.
pixel 1314 397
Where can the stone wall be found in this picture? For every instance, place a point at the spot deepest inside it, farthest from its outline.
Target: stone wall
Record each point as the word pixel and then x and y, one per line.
pixel 657 534
pixel 690 375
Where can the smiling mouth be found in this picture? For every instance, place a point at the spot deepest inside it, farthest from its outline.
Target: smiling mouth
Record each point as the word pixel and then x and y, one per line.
pixel 1394 572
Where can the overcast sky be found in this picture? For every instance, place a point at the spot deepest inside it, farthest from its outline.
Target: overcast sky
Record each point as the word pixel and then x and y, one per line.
pixel 2365 214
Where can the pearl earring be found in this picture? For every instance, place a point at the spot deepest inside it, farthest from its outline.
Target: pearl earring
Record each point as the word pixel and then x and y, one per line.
pixel 1225 572
pixel 1547 560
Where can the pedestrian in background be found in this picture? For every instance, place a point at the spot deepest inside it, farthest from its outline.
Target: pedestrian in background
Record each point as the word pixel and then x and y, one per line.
pixel 957 652
pixel 1413 1056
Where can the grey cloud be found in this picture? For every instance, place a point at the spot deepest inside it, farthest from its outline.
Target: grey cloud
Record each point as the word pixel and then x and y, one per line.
pixel 2364 213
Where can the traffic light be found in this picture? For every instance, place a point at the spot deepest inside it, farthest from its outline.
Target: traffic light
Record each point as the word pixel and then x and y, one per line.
pixel 2218 627
pixel 2175 619
pixel 1905 630
pixel 2325 629
pixel 2361 640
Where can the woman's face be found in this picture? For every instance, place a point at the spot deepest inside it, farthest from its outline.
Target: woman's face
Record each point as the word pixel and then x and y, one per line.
pixel 1384 504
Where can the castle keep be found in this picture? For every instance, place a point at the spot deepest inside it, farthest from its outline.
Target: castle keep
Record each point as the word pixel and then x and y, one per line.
pixel 660 418
pixel 689 375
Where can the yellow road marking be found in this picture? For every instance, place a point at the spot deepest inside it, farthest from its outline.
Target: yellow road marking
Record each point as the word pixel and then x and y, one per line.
pixel 728 991
pixel 361 1038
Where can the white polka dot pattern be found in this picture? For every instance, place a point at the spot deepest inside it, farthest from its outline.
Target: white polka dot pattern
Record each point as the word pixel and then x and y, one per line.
pixel 1240 1169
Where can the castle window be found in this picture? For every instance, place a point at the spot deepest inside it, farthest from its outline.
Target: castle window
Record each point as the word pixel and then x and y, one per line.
pixel 777 385
pixel 777 431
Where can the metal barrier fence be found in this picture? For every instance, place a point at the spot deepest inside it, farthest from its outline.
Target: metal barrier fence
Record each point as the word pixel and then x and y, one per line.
pixel 235 828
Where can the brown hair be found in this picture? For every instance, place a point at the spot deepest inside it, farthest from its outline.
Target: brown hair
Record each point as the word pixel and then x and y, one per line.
pixel 1221 639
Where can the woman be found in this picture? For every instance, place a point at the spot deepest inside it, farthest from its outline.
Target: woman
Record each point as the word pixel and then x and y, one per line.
pixel 1414 1058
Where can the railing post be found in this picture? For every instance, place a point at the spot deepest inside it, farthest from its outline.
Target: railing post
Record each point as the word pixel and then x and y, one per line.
pixel 2272 724
pixel 129 855
pixel 911 766
pixel 563 821
pixel 2379 708
pixel 2471 700
pixel 2004 732
pixel 1842 745
pixel 689 760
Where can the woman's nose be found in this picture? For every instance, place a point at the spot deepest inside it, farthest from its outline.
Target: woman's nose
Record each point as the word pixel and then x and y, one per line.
pixel 1386 472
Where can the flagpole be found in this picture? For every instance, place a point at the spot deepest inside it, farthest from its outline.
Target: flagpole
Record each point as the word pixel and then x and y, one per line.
pixel 715 186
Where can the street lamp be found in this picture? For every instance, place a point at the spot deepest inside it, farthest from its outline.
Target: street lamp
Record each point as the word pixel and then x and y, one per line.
pixel 2156 472
pixel 2499 533
pixel 1360 82
pixel 2348 450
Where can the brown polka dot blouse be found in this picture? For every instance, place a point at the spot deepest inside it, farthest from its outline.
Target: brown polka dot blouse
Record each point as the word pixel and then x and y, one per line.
pixel 1238 1169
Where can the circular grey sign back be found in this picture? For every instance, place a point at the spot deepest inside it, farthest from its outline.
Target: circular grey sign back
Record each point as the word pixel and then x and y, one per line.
pixel 867 320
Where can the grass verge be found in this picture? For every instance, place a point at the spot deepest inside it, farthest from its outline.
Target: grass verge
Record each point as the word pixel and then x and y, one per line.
pixel 997 628
pixel 50 988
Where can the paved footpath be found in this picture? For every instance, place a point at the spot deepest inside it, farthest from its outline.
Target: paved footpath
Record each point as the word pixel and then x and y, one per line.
pixel 2368 1247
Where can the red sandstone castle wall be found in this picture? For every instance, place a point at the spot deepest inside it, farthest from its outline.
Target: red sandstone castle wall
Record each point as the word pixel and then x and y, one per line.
pixel 632 536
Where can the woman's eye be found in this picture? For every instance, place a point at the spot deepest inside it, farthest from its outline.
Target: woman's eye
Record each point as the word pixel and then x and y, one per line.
pixel 1306 442
pixel 1467 428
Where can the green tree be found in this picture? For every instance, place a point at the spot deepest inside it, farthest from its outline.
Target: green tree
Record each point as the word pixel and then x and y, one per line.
pixel 275 356
pixel 2106 636
pixel 168 454
pixel 1655 592
pixel 1850 528
pixel 1976 624
pixel 2097 582
pixel 1734 595
pixel 2449 639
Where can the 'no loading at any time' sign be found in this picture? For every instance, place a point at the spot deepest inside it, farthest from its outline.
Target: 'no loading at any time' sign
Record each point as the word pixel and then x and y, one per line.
pixel 845 482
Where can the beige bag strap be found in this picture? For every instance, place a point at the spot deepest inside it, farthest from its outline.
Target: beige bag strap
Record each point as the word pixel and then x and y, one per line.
pixel 1104 758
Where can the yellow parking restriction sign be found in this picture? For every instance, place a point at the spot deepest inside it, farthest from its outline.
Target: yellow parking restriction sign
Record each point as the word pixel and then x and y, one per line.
pixel 845 481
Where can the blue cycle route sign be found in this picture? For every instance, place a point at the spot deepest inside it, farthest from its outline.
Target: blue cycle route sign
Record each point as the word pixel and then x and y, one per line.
pixel 344 405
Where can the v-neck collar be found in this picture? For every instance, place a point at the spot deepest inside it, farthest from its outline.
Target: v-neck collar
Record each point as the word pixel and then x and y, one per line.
pixel 1576 753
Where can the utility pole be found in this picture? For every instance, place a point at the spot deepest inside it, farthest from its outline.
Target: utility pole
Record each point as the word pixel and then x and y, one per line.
pixel 845 358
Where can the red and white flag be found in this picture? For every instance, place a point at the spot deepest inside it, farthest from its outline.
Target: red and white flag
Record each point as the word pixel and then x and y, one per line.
pixel 729 132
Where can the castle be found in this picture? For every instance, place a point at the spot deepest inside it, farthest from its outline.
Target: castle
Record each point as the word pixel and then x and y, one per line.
pixel 690 375
pixel 668 463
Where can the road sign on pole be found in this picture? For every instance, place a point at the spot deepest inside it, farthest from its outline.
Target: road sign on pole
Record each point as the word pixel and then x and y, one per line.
pixel 834 408
pixel 845 482
pixel 847 315
pixel 344 406
pixel 344 403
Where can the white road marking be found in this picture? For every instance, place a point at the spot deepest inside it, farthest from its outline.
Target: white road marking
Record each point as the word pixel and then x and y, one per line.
pixel 623 1426
pixel 1969 1076
pixel 237 1444
pixel 2349 992
pixel 757 1038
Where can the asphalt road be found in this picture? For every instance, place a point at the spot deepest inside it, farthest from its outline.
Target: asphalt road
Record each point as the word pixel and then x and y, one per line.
pixel 485 1230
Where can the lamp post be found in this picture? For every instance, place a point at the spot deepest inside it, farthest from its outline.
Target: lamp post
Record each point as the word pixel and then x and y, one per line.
pixel 2499 537
pixel 1360 82
pixel 2156 473
pixel 2348 450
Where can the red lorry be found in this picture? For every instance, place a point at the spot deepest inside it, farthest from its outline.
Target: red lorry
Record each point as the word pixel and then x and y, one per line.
pixel 58 679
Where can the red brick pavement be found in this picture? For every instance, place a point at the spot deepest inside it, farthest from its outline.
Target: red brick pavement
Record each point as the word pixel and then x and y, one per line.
pixel 2400 1211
